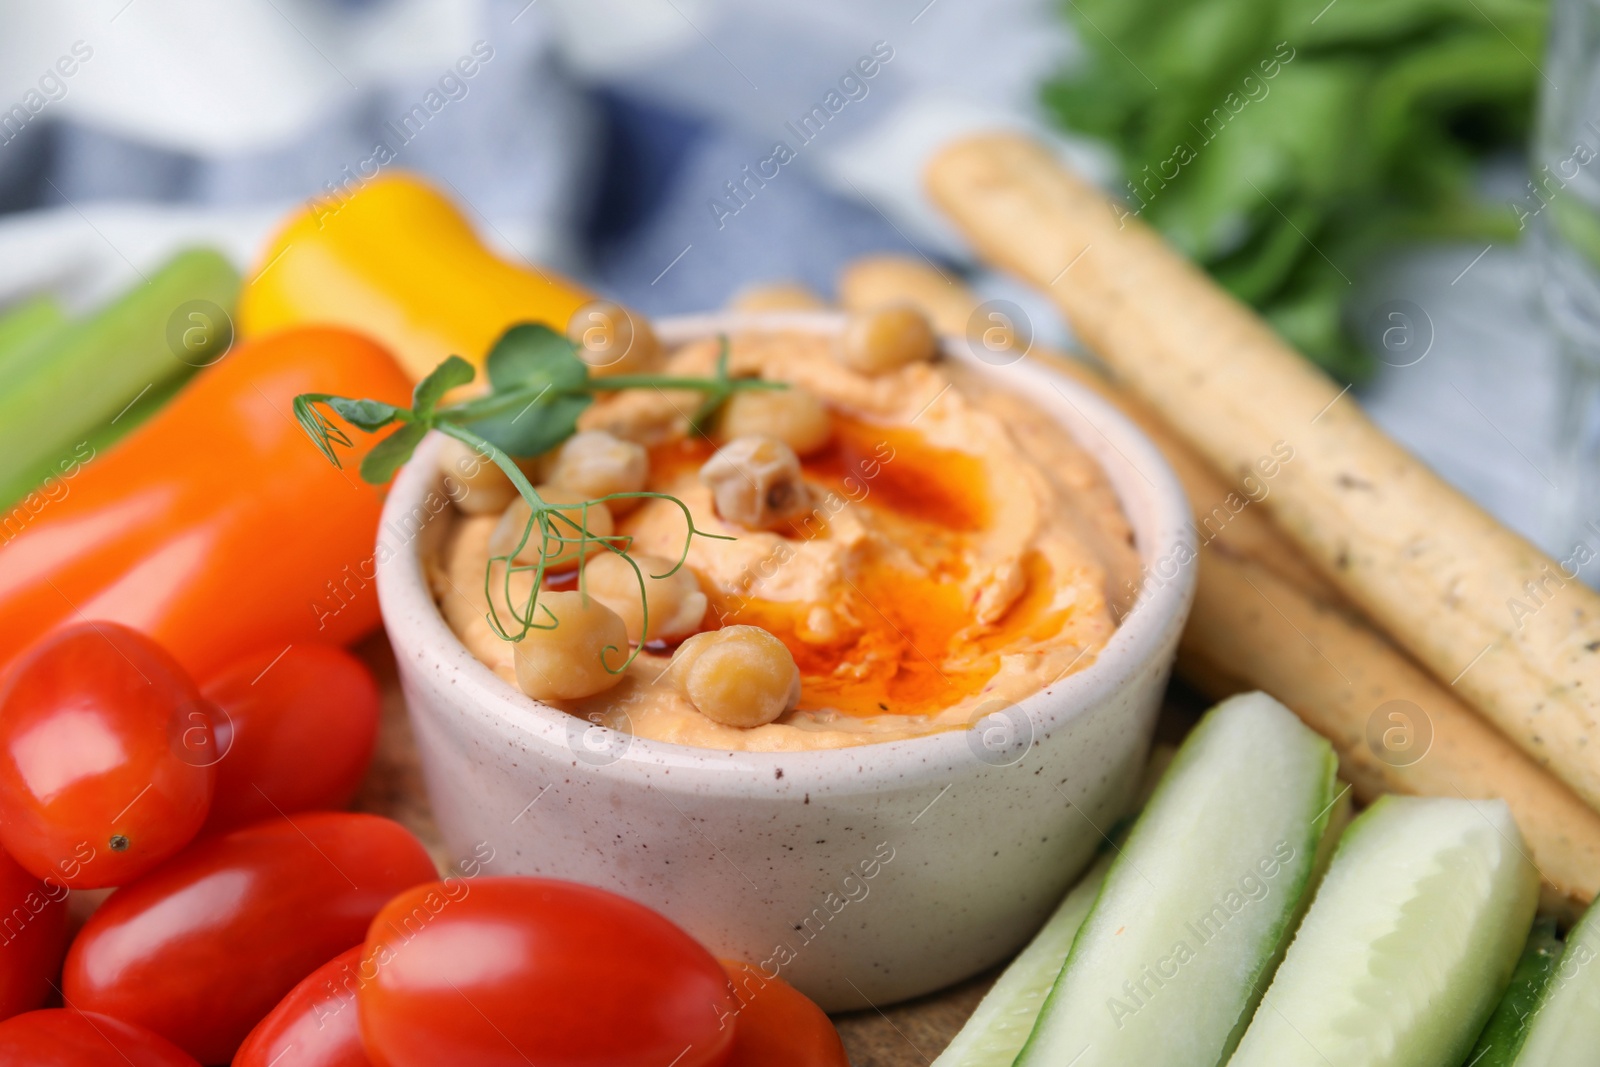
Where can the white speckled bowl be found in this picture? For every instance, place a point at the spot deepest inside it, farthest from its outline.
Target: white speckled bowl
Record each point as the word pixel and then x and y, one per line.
pixel 864 875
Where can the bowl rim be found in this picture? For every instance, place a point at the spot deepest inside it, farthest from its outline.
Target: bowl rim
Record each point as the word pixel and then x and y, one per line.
pixel 1143 482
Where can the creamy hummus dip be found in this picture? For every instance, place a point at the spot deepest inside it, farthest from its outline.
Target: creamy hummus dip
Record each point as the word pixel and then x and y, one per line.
pixel 961 552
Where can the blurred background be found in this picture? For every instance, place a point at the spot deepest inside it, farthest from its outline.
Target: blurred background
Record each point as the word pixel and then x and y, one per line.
pixel 1375 175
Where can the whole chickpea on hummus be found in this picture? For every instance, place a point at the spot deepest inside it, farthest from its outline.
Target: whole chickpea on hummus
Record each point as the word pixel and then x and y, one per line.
pixel 909 545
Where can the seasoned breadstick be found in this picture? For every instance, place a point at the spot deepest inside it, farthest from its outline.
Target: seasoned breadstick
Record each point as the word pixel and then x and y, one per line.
pixel 1507 627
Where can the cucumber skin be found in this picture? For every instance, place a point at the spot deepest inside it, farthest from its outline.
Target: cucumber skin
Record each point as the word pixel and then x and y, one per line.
pixel 70 384
pixel 1035 1053
pixel 982 1043
pixel 1507 1029
pixel 1576 971
pixel 1340 814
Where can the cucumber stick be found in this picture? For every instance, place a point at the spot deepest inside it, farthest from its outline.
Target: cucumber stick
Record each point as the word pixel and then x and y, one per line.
pixel 73 382
pixel 1410 940
pixel 1196 905
pixel 995 1033
pixel 1564 1030
pixel 1507 1029
pixel 1339 816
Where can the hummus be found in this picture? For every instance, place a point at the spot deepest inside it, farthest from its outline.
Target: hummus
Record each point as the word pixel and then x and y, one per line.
pixel 962 553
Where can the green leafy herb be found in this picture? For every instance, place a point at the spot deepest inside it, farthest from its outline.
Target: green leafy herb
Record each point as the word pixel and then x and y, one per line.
pixel 1283 143
pixel 538 388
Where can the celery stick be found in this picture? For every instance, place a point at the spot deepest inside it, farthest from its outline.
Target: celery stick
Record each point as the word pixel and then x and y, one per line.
pixel 75 383
pixel 25 325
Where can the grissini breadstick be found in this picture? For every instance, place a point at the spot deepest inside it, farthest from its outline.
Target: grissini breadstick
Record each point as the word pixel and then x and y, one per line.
pixel 1237 640
pixel 1514 632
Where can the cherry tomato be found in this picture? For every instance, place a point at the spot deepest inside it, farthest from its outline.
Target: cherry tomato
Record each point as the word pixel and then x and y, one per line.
pixel 64 1037
pixel 105 757
pixel 316 1025
pixel 33 935
pixel 512 971
pixel 201 949
pixel 297 730
pixel 777 1025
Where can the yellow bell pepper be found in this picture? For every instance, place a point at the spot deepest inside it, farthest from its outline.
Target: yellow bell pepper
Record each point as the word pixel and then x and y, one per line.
pixel 397 261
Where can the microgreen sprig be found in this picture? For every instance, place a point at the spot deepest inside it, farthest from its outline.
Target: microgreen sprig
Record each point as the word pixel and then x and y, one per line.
pixel 538 387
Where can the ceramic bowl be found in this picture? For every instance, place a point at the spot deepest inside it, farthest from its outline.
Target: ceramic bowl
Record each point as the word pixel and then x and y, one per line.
pixel 862 875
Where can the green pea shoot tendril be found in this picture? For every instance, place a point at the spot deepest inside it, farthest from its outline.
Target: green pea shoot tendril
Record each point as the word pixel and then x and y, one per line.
pixel 538 388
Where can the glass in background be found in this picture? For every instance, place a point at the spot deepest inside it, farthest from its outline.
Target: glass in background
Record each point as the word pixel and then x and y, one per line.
pixel 1565 200
pixel 1564 205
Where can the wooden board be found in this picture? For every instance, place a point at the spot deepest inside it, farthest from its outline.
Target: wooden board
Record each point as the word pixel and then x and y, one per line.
pixel 902 1035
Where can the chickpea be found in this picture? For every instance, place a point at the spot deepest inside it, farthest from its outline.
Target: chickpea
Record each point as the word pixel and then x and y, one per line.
pixel 568 661
pixel 738 675
pixel 563 555
pixel 471 479
pixel 755 482
pixel 594 464
pixel 613 340
pixel 875 281
pixel 886 339
pixel 676 603
pixel 793 415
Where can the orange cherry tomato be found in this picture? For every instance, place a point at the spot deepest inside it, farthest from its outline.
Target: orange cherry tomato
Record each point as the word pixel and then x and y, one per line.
pixel 33 936
pixel 503 972
pixel 63 1037
pixel 217 527
pixel 777 1025
pixel 316 1025
pixel 296 728
pixel 201 949
pixel 106 757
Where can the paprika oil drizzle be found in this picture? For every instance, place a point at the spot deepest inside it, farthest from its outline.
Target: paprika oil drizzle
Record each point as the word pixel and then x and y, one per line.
pixel 906 642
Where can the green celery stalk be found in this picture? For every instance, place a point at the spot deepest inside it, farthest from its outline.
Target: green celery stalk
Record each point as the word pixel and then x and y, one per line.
pixel 86 383
pixel 26 324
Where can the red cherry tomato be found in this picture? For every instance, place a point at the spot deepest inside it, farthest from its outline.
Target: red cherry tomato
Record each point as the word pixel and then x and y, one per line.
pixel 63 1037
pixel 200 950
pixel 33 935
pixel 105 757
pixel 777 1025
pixel 316 1025
pixel 297 730
pixel 512 971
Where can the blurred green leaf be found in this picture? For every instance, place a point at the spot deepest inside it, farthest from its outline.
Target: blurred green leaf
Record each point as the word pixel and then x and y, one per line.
pixel 366 415
pixel 536 376
pixel 453 372
pixel 391 453
pixel 532 354
pixel 1282 144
